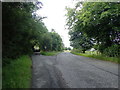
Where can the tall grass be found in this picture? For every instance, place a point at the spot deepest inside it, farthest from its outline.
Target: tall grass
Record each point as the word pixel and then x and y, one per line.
pixel 17 74
pixel 96 55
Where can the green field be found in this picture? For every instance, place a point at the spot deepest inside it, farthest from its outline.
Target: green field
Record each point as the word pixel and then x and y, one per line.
pixel 97 56
pixel 17 74
pixel 50 53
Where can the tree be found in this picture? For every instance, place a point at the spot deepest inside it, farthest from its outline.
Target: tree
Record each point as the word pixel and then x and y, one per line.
pixel 17 28
pixel 99 21
pixel 56 41
pixel 78 39
pixel 69 48
pixel 23 29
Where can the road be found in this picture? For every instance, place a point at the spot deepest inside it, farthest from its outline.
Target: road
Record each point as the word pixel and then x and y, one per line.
pixel 67 70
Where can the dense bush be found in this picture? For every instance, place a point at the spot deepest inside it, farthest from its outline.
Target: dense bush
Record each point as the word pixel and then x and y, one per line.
pixel 23 29
pixel 113 51
pixel 17 29
pixel 77 50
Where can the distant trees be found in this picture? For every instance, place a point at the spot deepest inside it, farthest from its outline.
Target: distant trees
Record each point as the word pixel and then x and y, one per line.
pixel 67 48
pixel 80 41
pixel 23 29
pixel 95 23
pixel 57 44
pixel 52 42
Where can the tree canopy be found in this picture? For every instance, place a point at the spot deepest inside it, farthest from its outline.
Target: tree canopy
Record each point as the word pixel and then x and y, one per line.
pixel 23 29
pixel 95 23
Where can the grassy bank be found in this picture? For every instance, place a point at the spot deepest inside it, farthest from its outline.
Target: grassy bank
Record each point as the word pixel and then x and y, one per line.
pixel 97 56
pixel 50 53
pixel 17 74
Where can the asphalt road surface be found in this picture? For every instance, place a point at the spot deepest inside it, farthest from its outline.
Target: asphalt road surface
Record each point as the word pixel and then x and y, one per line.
pixel 66 70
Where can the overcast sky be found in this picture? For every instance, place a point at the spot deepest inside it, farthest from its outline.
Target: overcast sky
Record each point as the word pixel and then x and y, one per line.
pixel 55 12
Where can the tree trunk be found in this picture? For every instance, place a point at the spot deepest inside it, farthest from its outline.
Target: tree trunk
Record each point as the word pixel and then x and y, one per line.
pixel 83 51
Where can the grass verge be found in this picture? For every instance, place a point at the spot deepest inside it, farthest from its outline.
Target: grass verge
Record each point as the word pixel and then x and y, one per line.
pixel 50 53
pixel 100 57
pixel 17 74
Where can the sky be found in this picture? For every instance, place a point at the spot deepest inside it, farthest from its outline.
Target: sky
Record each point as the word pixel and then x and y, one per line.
pixel 55 12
